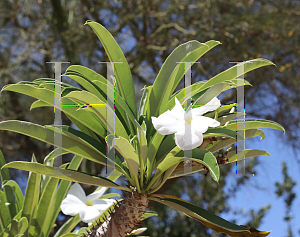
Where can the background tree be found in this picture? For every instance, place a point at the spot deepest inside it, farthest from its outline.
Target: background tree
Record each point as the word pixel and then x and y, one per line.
pixel 33 33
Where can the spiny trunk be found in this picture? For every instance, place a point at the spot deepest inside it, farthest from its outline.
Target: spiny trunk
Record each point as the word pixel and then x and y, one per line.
pixel 124 218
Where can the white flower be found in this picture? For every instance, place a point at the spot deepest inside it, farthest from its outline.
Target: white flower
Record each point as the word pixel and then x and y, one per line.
pixel 187 126
pixel 88 207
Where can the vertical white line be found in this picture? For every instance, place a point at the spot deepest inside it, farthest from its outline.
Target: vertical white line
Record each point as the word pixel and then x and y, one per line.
pixel 188 114
pixel 110 115
pixel 57 119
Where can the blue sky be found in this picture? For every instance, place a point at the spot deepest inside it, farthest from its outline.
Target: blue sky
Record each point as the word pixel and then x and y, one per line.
pixel 269 172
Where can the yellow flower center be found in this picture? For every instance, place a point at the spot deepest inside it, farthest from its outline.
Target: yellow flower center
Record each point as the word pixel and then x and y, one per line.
pixel 189 120
pixel 89 203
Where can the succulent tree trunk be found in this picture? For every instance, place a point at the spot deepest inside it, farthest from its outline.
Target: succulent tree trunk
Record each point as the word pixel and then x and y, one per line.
pixel 124 218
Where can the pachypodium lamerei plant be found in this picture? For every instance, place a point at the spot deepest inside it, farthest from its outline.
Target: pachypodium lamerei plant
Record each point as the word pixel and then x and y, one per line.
pixel 148 152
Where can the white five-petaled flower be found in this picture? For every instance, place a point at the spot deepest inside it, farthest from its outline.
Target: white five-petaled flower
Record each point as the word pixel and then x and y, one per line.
pixel 88 207
pixel 186 123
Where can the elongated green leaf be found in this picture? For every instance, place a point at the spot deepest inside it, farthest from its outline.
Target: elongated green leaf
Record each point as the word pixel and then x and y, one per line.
pixel 144 102
pixel 122 70
pixel 218 145
pixel 70 235
pixel 154 144
pixel 38 104
pixel 87 73
pixel 233 73
pixel 80 136
pixel 208 219
pixel 16 228
pixel 53 154
pixel 166 146
pixel 130 156
pixel 8 192
pixel 193 57
pixel 207 157
pixel 87 84
pixel 247 153
pixel 122 108
pixel 223 132
pixel 47 135
pixel 110 195
pixel 17 192
pixel 229 75
pixel 255 123
pixel 63 188
pixel 4 173
pixel 142 148
pixel 32 194
pixel 68 226
pixel 5 217
pixel 229 116
pixel 99 108
pixel 69 107
pixel 212 92
pixel 44 210
pixel 148 214
pixel 65 174
pixel 100 83
pixel 200 156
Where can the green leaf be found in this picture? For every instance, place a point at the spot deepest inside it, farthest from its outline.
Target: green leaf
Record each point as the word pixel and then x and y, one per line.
pixel 233 73
pixel 130 156
pixel 209 161
pixel 5 217
pixel 121 106
pixel 228 75
pixel 254 123
pixel 218 145
pixel 221 132
pixel 208 95
pixel 153 147
pixel 99 89
pixel 247 153
pixel 53 154
pixel 32 194
pixel 166 146
pixel 16 228
pixel 99 108
pixel 122 70
pixel 80 136
pixel 144 102
pixel 8 192
pixel 203 157
pixel 138 231
pixel 38 104
pixel 208 219
pixel 100 83
pixel 148 214
pixel 65 174
pixel 86 83
pixel 87 118
pixel 4 173
pixel 44 210
pixel 88 73
pixel 63 188
pixel 70 235
pixel 17 192
pixel 229 116
pixel 68 226
pixel 110 195
pixel 142 148
pixel 47 135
